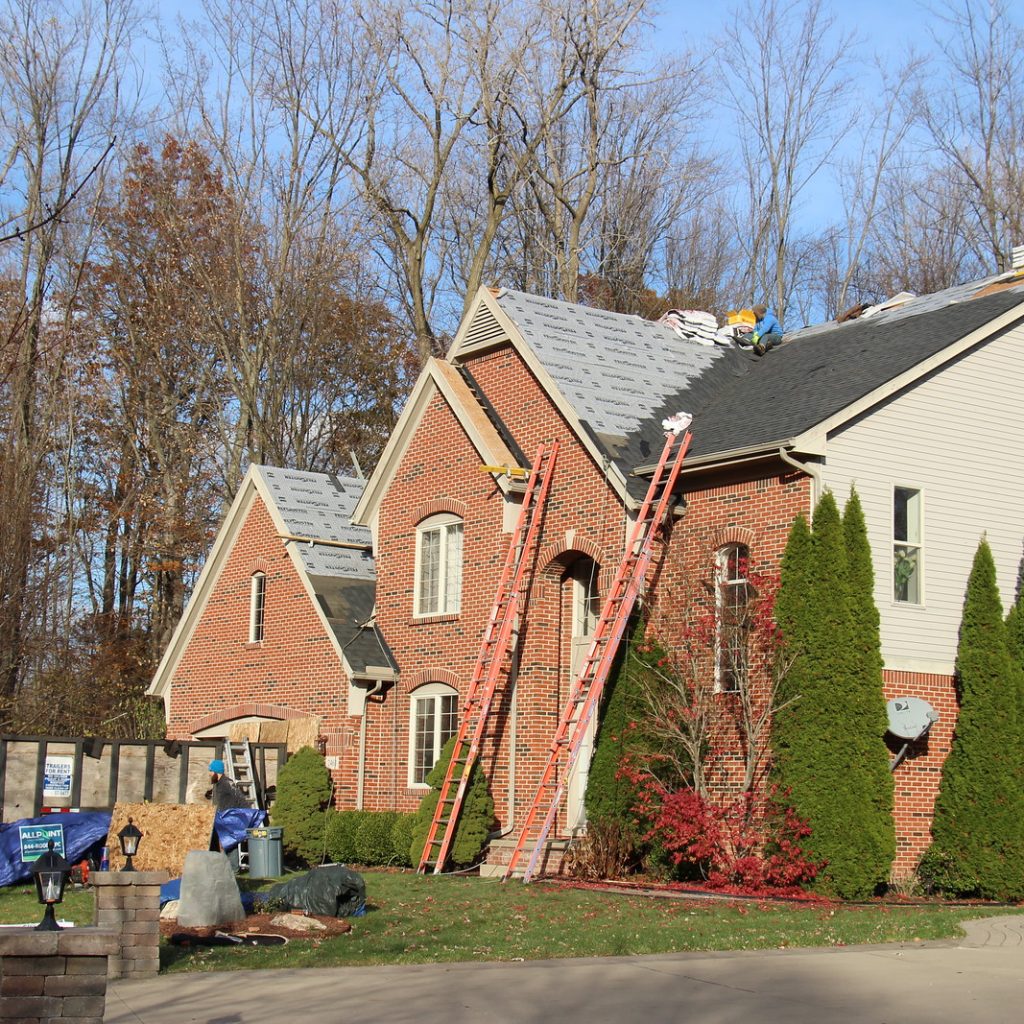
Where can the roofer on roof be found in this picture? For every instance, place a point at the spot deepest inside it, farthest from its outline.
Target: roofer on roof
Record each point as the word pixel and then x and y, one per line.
pixel 767 330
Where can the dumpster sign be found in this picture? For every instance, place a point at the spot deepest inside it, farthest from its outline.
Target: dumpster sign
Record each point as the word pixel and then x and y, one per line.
pixel 35 840
pixel 57 775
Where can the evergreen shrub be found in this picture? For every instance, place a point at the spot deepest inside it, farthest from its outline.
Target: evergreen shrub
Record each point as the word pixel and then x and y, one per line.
pixel 978 826
pixel 401 839
pixel 373 839
pixel 475 821
pixel 300 809
pixel 342 828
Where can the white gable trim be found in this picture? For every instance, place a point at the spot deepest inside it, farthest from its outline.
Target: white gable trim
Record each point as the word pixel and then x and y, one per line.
pixel 486 306
pixel 254 485
pixel 437 378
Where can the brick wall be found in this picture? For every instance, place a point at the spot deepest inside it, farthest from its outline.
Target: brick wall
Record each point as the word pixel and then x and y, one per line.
pixel 129 903
pixel 917 777
pixel 59 975
pixel 295 666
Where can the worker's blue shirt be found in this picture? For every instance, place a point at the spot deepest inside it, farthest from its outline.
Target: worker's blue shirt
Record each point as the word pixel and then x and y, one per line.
pixel 768 324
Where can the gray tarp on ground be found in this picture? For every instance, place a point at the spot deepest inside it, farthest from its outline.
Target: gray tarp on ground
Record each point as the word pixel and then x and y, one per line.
pixel 328 891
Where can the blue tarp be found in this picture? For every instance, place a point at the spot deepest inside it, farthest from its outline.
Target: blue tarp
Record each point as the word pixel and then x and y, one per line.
pixel 82 831
pixel 86 829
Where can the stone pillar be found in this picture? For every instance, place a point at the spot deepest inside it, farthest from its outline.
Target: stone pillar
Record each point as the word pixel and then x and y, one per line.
pixel 47 976
pixel 129 903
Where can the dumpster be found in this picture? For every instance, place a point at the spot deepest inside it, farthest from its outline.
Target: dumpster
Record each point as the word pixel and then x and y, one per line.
pixel 264 852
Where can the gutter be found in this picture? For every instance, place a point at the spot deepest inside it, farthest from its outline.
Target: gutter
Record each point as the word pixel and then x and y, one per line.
pixel 812 471
pixel 361 768
pixel 737 455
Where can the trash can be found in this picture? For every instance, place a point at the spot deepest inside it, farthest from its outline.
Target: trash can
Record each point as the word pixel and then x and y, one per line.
pixel 264 852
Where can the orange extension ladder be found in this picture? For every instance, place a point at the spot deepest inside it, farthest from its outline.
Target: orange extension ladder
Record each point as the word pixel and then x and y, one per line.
pixel 585 693
pixel 510 599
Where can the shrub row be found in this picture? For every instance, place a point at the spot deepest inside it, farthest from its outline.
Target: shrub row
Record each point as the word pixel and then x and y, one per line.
pixel 370 838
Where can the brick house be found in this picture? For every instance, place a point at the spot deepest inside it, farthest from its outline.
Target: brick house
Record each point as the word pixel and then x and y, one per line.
pixel 916 403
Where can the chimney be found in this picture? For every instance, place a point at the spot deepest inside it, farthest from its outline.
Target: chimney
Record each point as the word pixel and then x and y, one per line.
pixel 1017 258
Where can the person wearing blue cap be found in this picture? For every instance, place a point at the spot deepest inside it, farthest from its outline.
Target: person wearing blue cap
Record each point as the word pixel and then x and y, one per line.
pixel 223 792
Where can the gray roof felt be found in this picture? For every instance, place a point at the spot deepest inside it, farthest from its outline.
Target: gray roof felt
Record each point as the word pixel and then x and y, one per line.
pixel 348 605
pixel 744 401
pixel 613 369
pixel 320 506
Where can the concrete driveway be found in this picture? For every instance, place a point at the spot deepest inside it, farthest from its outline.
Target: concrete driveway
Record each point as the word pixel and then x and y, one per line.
pixel 979 980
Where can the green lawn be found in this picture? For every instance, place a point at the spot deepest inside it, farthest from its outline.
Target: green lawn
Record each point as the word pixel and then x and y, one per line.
pixel 421 919
pixel 18 905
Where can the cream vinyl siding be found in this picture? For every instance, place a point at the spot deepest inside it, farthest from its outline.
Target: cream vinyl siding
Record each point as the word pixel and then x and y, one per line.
pixel 957 437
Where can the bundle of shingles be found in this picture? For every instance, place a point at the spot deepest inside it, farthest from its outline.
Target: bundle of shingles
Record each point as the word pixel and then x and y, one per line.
pixel 692 324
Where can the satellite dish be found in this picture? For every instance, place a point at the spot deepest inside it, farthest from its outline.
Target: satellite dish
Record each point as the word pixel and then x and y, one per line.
pixel 910 717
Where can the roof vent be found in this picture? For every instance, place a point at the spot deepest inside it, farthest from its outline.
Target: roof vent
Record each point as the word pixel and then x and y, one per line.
pixel 1017 257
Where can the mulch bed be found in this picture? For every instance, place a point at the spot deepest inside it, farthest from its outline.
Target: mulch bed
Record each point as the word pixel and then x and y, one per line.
pixel 260 924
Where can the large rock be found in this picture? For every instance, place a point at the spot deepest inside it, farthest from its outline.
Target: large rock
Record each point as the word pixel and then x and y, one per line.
pixel 209 892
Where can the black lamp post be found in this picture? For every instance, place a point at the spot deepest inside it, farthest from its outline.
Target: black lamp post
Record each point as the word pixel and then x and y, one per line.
pixel 129 838
pixel 51 872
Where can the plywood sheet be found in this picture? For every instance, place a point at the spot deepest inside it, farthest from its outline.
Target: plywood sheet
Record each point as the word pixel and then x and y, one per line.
pixel 274 732
pixel 239 731
pixel 169 831
pixel 302 732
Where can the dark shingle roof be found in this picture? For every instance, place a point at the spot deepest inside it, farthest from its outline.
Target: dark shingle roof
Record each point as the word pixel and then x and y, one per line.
pixel 743 401
pixel 348 605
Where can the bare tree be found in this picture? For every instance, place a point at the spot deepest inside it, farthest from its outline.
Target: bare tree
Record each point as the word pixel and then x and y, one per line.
pixel 270 88
pixel 972 108
pixel 63 76
pixel 786 87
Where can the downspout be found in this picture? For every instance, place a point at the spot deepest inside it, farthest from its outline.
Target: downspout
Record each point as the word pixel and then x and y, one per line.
pixel 813 472
pixel 372 692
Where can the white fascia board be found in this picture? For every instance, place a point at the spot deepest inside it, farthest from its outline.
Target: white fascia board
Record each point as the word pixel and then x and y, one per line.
pixel 922 369
pixel 233 521
pixel 485 298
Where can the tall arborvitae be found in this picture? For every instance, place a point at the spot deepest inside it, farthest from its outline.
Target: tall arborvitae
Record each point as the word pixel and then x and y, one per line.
pixel 979 814
pixel 791 756
pixel 828 742
pixel 865 709
pixel 610 795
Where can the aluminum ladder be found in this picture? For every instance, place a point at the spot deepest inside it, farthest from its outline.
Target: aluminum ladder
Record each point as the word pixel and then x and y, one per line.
pixel 238 768
pixel 585 694
pixel 510 600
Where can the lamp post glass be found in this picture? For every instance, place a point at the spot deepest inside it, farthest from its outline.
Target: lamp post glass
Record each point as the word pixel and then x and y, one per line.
pixel 51 873
pixel 129 838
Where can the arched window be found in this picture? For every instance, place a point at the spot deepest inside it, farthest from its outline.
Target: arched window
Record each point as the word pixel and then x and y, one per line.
pixel 439 565
pixel 433 720
pixel 732 619
pixel 257 604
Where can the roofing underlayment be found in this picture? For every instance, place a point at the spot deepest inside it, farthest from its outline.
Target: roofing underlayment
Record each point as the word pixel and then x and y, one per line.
pixel 318 507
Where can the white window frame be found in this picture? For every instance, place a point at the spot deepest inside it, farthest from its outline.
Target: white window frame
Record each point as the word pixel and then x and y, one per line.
pixel 257 607
pixel 722 580
pixel 445 594
pixel 908 545
pixel 443 704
